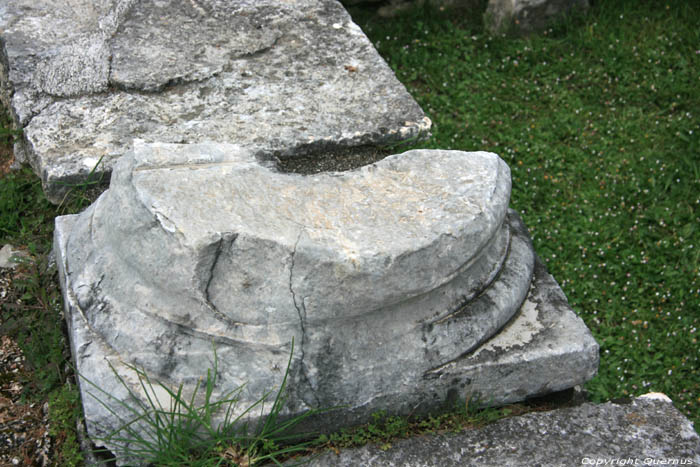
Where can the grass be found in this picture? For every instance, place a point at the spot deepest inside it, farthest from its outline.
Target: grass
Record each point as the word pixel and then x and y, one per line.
pixel 597 118
pixel 385 429
pixel 178 431
pixel 64 404
pixel 31 312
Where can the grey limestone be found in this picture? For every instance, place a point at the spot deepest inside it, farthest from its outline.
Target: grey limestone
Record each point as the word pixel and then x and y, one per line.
pixel 517 17
pixel 404 284
pixel 523 17
pixel 647 430
pixel 283 78
pixel 10 257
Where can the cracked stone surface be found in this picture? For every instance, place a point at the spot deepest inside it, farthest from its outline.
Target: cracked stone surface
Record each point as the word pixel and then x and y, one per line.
pixel 647 430
pixel 284 78
pixel 393 280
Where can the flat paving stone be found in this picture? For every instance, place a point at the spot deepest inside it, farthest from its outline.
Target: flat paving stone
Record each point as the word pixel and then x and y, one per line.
pixel 284 78
pixel 647 430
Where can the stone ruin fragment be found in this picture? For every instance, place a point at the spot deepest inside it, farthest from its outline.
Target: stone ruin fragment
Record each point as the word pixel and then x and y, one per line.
pixel 84 78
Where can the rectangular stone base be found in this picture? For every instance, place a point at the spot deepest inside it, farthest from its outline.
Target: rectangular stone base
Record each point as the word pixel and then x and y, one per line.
pixel 543 349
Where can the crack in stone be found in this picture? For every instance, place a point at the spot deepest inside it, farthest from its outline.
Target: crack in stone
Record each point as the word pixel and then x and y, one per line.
pixel 109 25
pixel 34 112
pixel 187 79
pixel 302 314
pixel 174 82
pixel 110 59
pixel 301 311
pixel 217 254
pixel 230 239
pixel 255 53
pixel 162 87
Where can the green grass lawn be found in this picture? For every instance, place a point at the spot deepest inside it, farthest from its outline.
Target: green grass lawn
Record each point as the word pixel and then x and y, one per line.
pixel 598 120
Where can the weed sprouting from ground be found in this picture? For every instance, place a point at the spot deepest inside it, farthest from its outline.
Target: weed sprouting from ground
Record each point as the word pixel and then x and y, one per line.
pixel 78 196
pixel 167 427
pixel 385 429
pixel 26 217
pixel 64 410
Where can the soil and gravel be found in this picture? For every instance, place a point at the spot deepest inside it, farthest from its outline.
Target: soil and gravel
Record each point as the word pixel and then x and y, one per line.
pixel 24 425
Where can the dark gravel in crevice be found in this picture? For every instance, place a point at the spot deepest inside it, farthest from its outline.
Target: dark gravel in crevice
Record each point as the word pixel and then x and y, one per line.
pixel 331 160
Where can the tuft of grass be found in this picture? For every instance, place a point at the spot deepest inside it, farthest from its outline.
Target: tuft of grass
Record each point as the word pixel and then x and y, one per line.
pixel 80 195
pixel 385 429
pixel 8 136
pixel 33 319
pixel 598 119
pixel 26 217
pixel 181 432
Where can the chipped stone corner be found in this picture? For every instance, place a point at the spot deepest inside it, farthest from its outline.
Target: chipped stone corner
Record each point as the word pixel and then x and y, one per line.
pixel 516 334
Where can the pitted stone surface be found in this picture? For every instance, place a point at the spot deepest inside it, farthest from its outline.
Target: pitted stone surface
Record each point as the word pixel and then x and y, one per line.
pixel 643 431
pixel 280 77
pixel 544 348
pixel 385 277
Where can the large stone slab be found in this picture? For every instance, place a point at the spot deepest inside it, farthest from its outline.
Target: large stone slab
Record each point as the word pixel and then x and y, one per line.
pixel 393 280
pixel 545 348
pixel 645 431
pixel 83 78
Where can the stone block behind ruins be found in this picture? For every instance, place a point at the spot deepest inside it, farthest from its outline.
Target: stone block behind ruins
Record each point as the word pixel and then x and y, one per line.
pixel 84 78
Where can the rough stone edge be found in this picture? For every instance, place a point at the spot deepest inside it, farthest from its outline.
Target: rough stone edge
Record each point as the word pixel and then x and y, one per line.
pixel 60 184
pixel 553 443
pixel 66 179
pixel 80 339
pixel 563 343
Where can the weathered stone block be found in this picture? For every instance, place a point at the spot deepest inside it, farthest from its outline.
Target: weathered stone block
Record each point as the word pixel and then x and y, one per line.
pixel 84 78
pixel 527 16
pixel 393 279
pixel 644 431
